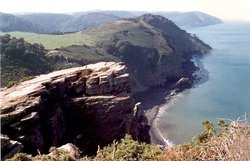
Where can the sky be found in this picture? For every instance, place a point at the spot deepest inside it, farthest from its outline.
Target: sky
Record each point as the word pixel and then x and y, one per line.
pixel 224 9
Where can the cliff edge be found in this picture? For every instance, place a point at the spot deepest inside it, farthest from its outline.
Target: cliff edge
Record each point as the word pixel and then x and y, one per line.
pixel 87 106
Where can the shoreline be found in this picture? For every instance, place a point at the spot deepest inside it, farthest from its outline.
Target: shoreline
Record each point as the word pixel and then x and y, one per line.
pixel 162 96
pixel 152 104
pixel 152 114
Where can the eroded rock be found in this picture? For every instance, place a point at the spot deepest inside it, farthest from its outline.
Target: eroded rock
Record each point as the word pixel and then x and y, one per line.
pixel 87 106
pixel 9 147
pixel 183 83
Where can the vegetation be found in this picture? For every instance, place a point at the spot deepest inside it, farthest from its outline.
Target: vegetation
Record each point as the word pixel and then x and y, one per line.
pixel 161 48
pixel 53 41
pixel 55 155
pixel 47 22
pixel 138 31
pixel 21 60
pixel 10 22
pixel 129 150
pixel 87 21
pixel 231 143
pixel 52 23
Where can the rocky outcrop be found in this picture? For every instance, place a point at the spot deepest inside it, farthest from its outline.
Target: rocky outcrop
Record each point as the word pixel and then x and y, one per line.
pixel 9 147
pixel 183 83
pixel 87 106
pixel 69 148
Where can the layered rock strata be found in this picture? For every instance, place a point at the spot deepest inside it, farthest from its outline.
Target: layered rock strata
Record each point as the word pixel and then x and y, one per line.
pixel 87 106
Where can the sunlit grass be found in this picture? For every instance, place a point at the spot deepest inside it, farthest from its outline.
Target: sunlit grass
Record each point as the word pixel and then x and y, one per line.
pixel 54 41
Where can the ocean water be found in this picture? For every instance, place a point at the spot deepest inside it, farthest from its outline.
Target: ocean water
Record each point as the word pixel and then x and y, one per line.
pixel 225 93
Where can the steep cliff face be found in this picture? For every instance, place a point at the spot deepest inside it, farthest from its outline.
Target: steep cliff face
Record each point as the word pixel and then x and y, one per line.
pixel 87 106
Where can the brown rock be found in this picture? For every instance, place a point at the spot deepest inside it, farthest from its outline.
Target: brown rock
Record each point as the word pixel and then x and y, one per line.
pixel 93 102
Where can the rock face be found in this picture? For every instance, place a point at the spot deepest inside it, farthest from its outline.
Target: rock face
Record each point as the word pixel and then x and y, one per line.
pixel 87 106
pixel 9 147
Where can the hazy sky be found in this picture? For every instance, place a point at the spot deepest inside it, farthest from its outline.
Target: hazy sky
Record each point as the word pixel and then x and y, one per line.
pixel 225 9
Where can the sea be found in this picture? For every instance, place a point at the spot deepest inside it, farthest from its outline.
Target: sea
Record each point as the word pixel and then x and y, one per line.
pixel 223 92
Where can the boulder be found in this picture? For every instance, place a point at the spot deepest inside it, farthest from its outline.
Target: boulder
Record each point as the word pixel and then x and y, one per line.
pixel 71 149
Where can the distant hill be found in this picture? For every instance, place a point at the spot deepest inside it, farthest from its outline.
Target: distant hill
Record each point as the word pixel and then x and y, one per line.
pixel 10 22
pixel 50 22
pixel 60 23
pixel 86 21
pixel 121 14
pixel 55 23
pixel 191 19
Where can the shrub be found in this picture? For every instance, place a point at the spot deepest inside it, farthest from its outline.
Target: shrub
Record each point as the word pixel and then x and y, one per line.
pixel 128 149
pixel 20 157
pixel 232 143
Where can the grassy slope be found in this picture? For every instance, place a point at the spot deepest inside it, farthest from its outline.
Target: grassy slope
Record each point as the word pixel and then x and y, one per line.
pixel 53 41
pixel 161 48
pixel 139 34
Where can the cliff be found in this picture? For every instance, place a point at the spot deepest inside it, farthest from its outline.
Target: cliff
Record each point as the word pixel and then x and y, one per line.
pixel 87 106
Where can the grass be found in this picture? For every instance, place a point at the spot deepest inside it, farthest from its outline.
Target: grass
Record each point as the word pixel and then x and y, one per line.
pixel 54 41
pixel 136 33
pixel 88 55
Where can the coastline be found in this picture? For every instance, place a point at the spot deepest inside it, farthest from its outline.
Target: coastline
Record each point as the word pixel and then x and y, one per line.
pixel 155 133
pixel 160 97
pixel 152 104
pixel 152 115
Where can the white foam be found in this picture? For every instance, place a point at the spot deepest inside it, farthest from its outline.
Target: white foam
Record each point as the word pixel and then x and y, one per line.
pixel 163 112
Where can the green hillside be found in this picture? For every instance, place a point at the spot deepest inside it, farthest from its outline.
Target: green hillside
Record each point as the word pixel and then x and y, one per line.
pixel 9 22
pixel 21 60
pixel 154 49
pixel 49 22
pixel 53 41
